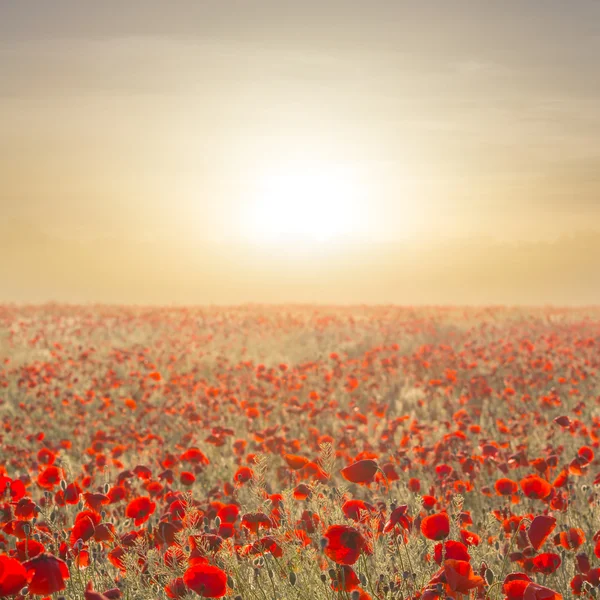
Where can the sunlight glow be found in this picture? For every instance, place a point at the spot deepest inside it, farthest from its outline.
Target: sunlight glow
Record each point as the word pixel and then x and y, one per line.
pixel 305 203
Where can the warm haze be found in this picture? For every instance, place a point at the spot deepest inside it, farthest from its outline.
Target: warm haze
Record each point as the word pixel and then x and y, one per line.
pixel 271 151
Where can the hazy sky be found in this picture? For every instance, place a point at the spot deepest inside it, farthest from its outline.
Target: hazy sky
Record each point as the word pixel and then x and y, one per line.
pixel 147 118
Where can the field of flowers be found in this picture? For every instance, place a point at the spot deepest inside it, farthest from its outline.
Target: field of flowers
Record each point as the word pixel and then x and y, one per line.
pixel 263 453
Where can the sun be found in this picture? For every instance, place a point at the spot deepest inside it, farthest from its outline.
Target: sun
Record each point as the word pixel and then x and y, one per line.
pixel 304 203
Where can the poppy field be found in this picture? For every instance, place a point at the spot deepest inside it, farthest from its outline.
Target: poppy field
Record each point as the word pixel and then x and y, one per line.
pixel 294 452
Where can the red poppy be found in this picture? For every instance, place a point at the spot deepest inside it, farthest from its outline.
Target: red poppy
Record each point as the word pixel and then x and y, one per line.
pixel 90 594
pixel 176 588
pixel 71 493
pixel 254 521
pixel 295 462
pixel 586 454
pixel 514 585
pixel 13 576
pixel 206 580
pixel 187 478
pixel 572 538
pixel 436 527
pixel 583 562
pixel 506 487
pixel 243 474
pixel 563 421
pixel 46 574
pixel 26 509
pixel 460 576
pixel 540 529
pixel 140 510
pixel 535 487
pixel 29 548
pixel 414 485
pixel 535 591
pixel 344 544
pixel 399 516
pixel 546 563
pixel 357 510
pixel 194 456
pixel 362 471
pixel 228 513
pixel 302 492
pixel 268 544
pixel 49 478
pixel 345 579
pixel 451 549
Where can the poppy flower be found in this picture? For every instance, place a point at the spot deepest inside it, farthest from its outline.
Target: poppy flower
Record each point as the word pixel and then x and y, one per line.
pixel 228 513
pixel 399 516
pixel 345 579
pixel 243 474
pixel 436 527
pixel 115 556
pixel 268 544
pixel 583 562
pixel 389 470
pixel 344 544
pixel 25 509
pixel 414 485
pixel 187 478
pixel 460 576
pixel 362 471
pixel 506 487
pixel 82 530
pixel 295 462
pixel 13 576
pixel 535 487
pixel 176 588
pixel 206 580
pixel 535 591
pixel 29 548
pixel 353 509
pixel 451 549
pixel 91 594
pixel 254 521
pixel 572 538
pixel 46 574
pixel 194 456
pixel 540 529
pixel 302 492
pixel 546 563
pixel 140 510
pixel 50 477
pixel 104 532
pixel 71 493
pixel 514 585
pixel 586 454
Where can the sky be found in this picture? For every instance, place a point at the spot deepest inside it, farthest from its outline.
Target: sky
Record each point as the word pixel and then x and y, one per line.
pixel 204 133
